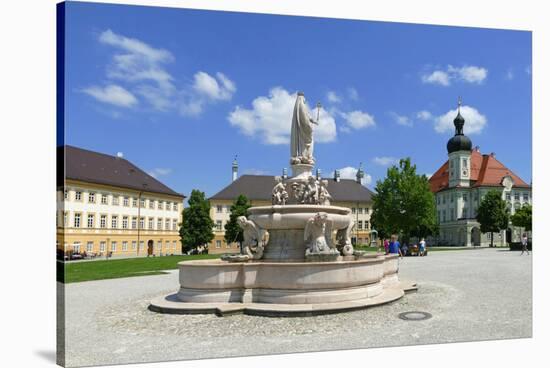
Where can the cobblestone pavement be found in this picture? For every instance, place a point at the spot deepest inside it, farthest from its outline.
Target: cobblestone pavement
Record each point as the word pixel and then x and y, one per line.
pixel 472 295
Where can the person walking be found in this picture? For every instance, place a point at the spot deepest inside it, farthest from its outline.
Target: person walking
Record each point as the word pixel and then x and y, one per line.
pixel 524 244
pixel 422 247
pixel 386 246
pixel 394 246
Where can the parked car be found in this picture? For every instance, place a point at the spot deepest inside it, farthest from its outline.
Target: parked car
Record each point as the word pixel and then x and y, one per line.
pixel 414 250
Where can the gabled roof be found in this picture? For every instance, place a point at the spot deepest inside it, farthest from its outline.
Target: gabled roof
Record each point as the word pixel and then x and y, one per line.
pixel 485 170
pixel 94 167
pixel 259 187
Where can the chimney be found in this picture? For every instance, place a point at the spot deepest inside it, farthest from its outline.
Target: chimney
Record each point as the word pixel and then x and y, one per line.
pixel 337 175
pixel 318 174
pixel 476 148
pixel 234 169
pixel 119 155
pixel 285 175
pixel 360 174
pixel 493 154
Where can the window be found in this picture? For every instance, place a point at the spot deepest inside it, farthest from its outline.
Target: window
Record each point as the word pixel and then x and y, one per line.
pixel 115 201
pixel 516 196
pixel 159 224
pixel 219 209
pixel 444 216
pixel 114 222
pixel 124 246
pixel 113 246
pixel 102 246
pixel 141 245
pixel 66 194
pixel 65 219
pixel 134 244
pixel 175 206
pixel 167 246
pixel 134 222
pixel 219 225
pixel 525 197
pixel 167 224
pixel 160 205
pixel 360 225
pixel 91 197
pixel 167 206
pixel 218 243
pixel 78 195
pixel 125 201
pixel 174 224
pixel 367 210
pixel 89 247
pixel 174 245
pixel 508 196
pixel 125 222
pixel 76 247
pixel 360 210
pixel 465 162
pixel 142 222
pixel 452 198
pixel 367 225
pixel 134 202
pixel 438 199
pixel 159 245
pixel 77 220
pixel 104 199
pixel 91 218
pixel 464 212
pixel 142 202
pixel 103 221
pixel 444 199
pixel 151 204
pixel 465 197
pixel 353 210
pixel 150 225
pixel 452 162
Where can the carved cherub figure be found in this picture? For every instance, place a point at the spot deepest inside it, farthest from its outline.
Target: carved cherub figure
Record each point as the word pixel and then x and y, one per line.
pixel 253 235
pixel 317 234
pixel 343 238
pixel 324 195
pixel 279 195
pixel 312 191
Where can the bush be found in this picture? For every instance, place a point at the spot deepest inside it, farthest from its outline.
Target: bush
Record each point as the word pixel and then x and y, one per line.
pixel 517 246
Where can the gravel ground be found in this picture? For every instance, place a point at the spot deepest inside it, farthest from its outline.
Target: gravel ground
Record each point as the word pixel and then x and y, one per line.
pixel 472 295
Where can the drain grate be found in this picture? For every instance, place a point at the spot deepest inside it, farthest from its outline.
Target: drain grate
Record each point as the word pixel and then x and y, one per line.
pixel 415 316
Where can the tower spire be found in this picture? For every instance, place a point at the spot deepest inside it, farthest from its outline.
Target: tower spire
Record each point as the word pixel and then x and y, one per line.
pixel 234 169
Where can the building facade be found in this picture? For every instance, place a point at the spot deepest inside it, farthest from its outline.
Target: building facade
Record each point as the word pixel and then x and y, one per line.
pixel 106 206
pixel 257 188
pixel 460 184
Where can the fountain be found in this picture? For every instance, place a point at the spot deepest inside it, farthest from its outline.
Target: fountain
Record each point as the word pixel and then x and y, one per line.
pixel 297 256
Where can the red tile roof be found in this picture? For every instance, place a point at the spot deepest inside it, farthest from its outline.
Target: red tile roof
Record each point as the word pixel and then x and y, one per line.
pixel 486 170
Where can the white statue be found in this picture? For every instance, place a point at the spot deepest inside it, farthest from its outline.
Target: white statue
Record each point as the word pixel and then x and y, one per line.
pixel 279 194
pixel 301 134
pixel 324 195
pixel 343 238
pixel 253 243
pixel 317 235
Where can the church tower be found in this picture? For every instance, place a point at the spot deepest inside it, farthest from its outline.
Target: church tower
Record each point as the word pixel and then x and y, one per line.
pixel 459 149
pixel 234 169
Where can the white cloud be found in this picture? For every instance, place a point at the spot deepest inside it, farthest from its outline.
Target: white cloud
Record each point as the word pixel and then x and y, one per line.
pixel 385 161
pixel 112 94
pixel 159 171
pixel 270 119
pixel 358 119
pixel 350 172
pixel 221 88
pixel 468 73
pixel 424 115
pixel 352 94
pixel 333 97
pixel 401 119
pixel 475 122
pixel 437 77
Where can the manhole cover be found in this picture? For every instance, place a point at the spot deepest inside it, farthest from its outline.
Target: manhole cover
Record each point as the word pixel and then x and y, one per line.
pixel 415 316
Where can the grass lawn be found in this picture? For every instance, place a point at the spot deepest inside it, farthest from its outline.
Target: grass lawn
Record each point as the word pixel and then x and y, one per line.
pixel 114 268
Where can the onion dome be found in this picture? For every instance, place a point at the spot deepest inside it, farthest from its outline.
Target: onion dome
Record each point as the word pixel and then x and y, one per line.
pixel 459 142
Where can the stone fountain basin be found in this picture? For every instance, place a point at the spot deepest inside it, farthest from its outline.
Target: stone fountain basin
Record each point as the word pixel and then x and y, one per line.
pixel 295 216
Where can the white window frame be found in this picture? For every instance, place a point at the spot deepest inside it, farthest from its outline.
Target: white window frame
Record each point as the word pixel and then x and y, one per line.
pixel 114 222
pixel 90 216
pixel 91 197
pixel 89 247
pixel 102 221
pixel 78 216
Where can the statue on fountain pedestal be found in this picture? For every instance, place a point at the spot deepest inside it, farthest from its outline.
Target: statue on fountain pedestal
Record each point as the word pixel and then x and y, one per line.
pixel 301 134
pixel 279 195
pixel 253 243
pixel 318 235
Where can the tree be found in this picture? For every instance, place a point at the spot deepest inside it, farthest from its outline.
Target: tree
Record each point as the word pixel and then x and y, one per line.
pixel 523 217
pixel 492 213
pixel 403 203
pixel 233 232
pixel 197 227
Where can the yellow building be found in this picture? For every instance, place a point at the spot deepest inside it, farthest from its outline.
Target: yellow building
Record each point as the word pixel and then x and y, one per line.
pixel 107 206
pixel 257 188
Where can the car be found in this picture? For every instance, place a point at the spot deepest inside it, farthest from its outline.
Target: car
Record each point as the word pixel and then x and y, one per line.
pixel 414 250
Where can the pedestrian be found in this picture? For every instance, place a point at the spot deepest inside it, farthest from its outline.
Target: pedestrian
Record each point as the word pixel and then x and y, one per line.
pixel 422 247
pixel 524 244
pixel 386 246
pixel 394 246
pixel 404 249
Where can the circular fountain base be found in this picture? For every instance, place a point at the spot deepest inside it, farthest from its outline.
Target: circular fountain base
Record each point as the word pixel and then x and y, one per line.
pixel 284 288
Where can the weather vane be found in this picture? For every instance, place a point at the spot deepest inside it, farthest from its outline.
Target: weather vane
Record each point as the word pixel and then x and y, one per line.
pixel 459 102
pixel 318 109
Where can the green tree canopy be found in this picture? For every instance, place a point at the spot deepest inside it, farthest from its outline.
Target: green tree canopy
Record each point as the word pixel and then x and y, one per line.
pixel 523 217
pixel 196 227
pixel 233 232
pixel 492 213
pixel 403 203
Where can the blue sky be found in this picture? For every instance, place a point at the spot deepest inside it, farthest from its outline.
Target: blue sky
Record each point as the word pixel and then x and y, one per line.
pixel 180 92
